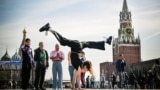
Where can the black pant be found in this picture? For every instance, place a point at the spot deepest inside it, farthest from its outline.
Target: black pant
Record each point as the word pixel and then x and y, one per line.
pixel 39 75
pixel 26 70
pixel 77 46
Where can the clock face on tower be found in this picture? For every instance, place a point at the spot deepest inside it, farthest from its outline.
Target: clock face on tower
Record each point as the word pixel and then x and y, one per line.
pixel 129 31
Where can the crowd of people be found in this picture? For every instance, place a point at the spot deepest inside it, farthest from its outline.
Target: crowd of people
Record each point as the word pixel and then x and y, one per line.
pixel 130 80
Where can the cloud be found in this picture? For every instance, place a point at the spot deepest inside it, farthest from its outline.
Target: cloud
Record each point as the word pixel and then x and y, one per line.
pixel 151 36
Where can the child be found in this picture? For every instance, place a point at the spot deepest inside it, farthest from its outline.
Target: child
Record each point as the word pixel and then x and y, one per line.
pixel 77 47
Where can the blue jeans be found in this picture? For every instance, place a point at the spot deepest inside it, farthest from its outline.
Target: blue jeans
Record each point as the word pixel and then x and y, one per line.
pixel 71 69
pixel 57 71
pixel 122 78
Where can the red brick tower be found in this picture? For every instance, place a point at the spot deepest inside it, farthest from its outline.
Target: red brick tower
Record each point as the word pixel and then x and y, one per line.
pixel 126 43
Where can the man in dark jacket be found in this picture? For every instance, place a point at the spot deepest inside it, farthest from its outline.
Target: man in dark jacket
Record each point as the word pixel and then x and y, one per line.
pixel 120 64
pixel 41 58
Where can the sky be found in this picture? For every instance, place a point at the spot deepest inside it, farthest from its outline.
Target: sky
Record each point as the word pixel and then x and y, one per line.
pixel 83 20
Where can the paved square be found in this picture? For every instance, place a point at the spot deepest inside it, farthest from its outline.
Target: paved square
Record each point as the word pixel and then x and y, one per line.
pixel 52 89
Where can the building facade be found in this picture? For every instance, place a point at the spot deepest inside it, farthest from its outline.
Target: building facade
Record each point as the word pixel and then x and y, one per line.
pixel 10 67
pixel 126 43
pixel 106 69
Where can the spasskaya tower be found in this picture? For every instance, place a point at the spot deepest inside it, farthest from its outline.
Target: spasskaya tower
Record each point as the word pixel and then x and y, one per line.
pixel 126 43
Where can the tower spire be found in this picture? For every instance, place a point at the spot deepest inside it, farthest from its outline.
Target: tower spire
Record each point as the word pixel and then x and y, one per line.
pixel 125 6
pixel 22 43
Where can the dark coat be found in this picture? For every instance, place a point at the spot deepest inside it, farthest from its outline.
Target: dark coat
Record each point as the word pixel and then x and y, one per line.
pixel 27 55
pixel 120 65
pixel 37 57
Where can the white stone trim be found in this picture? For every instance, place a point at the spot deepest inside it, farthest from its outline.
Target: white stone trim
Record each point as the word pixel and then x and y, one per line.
pixel 129 45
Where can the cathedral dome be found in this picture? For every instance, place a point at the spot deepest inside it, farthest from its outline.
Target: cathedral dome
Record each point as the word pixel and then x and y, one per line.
pixel 16 57
pixel 6 57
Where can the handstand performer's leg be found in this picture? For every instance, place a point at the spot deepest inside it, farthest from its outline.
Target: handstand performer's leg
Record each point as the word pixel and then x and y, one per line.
pixel 90 44
pixel 75 43
pixel 62 40
pixel 95 45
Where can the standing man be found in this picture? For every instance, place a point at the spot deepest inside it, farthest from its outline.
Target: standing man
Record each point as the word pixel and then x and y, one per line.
pixel 41 58
pixel 120 64
pixel 57 56
pixel 27 63
pixel 102 80
pixel 92 81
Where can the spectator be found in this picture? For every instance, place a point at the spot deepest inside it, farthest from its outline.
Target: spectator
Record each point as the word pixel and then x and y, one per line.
pixel 156 71
pixel 88 81
pixel 102 80
pixel 120 64
pixel 57 57
pixel 27 63
pixel 113 80
pixel 143 82
pixel 70 67
pixel 92 81
pixel 150 80
pixel 41 58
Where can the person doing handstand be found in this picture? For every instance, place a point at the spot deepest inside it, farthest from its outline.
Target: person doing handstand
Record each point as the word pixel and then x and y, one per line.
pixel 76 47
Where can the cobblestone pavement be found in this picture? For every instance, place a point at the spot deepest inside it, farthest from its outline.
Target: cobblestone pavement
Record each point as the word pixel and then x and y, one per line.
pixel 83 89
